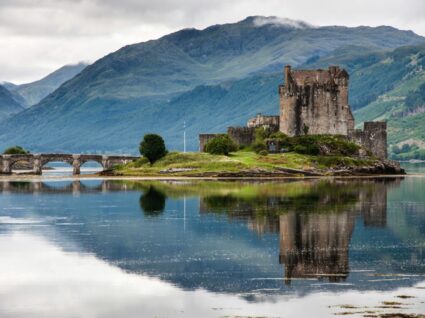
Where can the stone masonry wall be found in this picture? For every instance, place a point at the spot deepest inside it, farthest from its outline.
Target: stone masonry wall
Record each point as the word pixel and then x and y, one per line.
pixel 373 137
pixel 242 136
pixel 264 121
pixel 204 138
pixel 316 101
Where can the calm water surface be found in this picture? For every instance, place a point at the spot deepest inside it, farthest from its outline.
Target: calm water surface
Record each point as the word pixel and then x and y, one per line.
pixel 311 248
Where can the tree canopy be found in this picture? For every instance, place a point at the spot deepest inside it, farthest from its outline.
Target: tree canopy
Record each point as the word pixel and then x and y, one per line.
pixel 152 147
pixel 16 150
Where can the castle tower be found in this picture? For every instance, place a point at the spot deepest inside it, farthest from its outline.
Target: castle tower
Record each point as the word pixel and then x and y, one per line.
pixel 315 102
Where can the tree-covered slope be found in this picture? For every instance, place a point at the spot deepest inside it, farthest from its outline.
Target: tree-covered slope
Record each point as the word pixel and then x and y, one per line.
pixel 211 78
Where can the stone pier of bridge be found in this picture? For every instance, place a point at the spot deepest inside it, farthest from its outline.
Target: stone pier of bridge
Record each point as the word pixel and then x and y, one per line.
pixel 37 161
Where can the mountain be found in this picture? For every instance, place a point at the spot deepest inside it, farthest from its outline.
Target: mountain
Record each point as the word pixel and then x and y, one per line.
pixel 34 92
pixel 388 85
pixel 209 78
pixel 8 104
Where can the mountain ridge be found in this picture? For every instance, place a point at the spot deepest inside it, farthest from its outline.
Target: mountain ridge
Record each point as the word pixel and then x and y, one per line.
pixel 139 88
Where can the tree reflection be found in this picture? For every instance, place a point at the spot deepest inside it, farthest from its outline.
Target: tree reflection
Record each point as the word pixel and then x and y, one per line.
pixel 152 202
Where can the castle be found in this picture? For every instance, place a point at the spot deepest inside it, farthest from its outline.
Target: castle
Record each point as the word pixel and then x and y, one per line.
pixel 313 102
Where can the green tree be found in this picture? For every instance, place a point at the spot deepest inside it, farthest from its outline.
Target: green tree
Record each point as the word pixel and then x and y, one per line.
pixel 17 150
pixel 152 147
pixel 221 145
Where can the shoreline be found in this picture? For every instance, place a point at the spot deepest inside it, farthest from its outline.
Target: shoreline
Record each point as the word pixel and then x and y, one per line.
pixel 30 178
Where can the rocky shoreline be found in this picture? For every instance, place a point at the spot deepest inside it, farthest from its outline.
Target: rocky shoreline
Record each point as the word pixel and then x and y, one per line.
pixel 378 168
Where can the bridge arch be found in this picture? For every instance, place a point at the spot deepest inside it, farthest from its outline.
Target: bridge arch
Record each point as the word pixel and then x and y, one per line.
pixel 91 166
pixel 23 161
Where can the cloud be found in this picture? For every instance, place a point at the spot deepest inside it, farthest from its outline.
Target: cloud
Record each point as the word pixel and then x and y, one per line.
pixel 39 36
pixel 297 24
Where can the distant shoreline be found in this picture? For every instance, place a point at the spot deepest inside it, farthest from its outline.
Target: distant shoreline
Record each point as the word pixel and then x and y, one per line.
pixel 31 178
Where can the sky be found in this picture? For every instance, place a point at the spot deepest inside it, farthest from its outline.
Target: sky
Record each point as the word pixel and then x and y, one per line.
pixel 39 36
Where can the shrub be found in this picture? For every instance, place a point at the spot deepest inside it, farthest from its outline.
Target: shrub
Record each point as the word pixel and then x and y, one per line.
pixel 301 149
pixel 262 133
pixel 17 150
pixel 324 145
pixel 263 153
pixel 221 145
pixel 306 145
pixel 152 147
pixel 259 146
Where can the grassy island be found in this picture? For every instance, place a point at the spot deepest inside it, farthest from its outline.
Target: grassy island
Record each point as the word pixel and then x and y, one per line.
pixel 318 155
pixel 244 163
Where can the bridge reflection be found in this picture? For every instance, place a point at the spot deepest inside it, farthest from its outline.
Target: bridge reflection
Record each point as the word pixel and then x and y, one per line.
pixel 75 186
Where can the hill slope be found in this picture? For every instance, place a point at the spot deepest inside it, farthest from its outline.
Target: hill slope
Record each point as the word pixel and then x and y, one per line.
pixel 8 104
pixel 34 92
pixel 211 78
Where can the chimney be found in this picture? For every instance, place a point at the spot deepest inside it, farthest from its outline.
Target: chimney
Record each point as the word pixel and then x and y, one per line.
pixel 287 73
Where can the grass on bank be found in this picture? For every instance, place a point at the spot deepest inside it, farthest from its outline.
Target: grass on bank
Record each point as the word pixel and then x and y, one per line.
pixel 194 163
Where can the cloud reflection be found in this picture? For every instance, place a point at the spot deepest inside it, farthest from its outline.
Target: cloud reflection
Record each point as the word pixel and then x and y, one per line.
pixel 39 279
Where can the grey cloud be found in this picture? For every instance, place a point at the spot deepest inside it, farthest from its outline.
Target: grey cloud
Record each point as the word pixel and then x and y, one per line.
pixel 41 35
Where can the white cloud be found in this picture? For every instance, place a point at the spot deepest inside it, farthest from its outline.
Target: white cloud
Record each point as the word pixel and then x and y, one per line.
pixel 39 279
pixel 38 36
pixel 297 24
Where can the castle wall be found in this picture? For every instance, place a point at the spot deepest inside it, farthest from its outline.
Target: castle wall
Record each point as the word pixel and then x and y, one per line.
pixel 315 245
pixel 373 137
pixel 204 138
pixel 242 136
pixel 271 122
pixel 315 101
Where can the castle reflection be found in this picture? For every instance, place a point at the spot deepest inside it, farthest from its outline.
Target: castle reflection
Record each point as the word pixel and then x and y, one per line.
pixel 315 226
pixel 314 219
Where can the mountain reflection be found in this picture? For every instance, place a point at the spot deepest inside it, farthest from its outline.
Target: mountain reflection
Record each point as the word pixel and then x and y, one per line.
pixel 232 236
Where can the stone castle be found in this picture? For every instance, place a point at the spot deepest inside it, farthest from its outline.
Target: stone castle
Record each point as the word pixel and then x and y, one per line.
pixel 313 102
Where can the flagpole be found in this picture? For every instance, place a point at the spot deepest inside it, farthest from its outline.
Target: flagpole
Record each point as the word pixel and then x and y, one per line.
pixel 184 136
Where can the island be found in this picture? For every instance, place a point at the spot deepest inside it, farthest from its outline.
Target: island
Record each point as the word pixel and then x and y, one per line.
pixel 314 135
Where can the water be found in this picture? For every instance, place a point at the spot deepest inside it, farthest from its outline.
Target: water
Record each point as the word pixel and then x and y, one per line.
pixel 414 167
pixel 308 248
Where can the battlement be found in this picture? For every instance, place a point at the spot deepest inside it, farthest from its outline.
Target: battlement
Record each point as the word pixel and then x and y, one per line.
pixel 330 78
pixel 375 125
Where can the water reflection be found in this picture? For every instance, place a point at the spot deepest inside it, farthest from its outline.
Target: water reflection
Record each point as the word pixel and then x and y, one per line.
pixel 314 226
pixel 152 201
pixel 241 238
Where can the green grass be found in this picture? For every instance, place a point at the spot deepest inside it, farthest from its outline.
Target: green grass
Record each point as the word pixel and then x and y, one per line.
pixel 204 164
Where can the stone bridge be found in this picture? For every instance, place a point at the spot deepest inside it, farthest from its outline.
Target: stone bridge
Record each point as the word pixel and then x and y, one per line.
pixel 37 161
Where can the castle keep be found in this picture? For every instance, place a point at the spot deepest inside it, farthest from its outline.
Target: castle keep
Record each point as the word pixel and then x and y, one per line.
pixel 312 102
pixel 315 102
